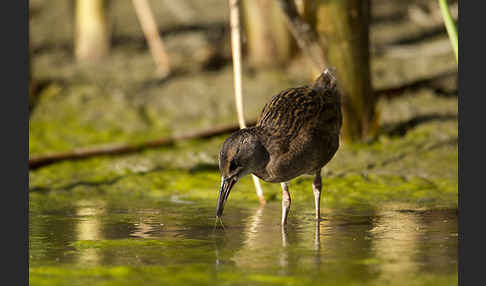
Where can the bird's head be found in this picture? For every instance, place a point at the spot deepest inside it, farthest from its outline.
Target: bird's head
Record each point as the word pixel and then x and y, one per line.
pixel 241 154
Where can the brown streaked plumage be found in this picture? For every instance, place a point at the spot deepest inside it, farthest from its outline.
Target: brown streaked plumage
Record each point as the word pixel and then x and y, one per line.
pixel 297 133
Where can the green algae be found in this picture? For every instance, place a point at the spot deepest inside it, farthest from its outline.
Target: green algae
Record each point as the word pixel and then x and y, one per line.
pixel 147 251
pixel 351 189
pixel 121 275
pixel 201 275
pixel 420 166
pixel 424 159
pixel 58 125
pixel 127 243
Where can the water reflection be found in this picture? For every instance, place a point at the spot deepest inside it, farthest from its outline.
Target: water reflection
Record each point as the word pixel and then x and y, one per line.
pixel 395 239
pixel 284 255
pixel 317 245
pixel 414 241
pixel 439 228
pixel 89 227
pixel 365 245
pixel 147 225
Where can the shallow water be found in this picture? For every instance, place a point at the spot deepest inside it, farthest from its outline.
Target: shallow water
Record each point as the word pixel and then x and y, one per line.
pixel 176 243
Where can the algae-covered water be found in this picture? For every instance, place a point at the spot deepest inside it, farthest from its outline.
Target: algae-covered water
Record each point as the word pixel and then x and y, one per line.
pixel 103 240
pixel 390 210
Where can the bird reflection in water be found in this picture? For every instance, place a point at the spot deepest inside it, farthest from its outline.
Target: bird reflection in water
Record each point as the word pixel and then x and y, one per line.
pixel 253 245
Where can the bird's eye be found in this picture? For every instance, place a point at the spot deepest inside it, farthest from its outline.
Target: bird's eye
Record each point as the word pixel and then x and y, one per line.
pixel 233 165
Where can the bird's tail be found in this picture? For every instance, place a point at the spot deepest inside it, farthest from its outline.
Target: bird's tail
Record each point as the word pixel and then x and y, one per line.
pixel 326 80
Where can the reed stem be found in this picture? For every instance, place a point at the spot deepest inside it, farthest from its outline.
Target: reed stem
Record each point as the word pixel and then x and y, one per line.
pixel 234 6
pixel 450 26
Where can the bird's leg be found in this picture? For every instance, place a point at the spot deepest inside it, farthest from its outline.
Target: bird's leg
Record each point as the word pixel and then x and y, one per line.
pixel 316 187
pixel 285 202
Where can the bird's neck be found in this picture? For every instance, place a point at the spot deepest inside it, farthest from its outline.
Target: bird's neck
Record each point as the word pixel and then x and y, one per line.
pixel 263 136
pixel 261 132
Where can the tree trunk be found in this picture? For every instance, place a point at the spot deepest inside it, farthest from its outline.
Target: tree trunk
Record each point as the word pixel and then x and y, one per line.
pixel 92 31
pixel 343 26
pixel 268 40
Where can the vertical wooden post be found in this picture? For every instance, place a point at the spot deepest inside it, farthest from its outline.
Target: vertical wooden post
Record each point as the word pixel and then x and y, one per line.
pixel 268 41
pixel 344 25
pixel 92 31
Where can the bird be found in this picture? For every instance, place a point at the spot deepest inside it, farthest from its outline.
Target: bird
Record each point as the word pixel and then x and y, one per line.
pixel 297 133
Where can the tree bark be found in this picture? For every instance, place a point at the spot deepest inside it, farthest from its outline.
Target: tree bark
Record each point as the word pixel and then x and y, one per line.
pixel 92 31
pixel 344 26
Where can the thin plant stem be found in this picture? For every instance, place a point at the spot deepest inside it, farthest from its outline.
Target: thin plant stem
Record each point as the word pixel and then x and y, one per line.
pixel 151 32
pixel 234 6
pixel 450 26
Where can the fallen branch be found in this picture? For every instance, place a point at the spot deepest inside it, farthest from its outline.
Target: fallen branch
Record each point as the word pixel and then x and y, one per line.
pixel 39 161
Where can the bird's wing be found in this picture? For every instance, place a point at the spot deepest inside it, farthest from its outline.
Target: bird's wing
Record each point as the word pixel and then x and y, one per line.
pixel 290 112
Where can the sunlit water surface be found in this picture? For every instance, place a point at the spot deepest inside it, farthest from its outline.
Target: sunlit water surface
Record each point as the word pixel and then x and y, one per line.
pixel 177 243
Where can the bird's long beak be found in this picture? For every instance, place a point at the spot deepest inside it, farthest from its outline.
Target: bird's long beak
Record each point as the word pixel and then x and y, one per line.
pixel 226 185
